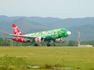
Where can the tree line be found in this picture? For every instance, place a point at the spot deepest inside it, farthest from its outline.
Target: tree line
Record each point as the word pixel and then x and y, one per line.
pixel 7 42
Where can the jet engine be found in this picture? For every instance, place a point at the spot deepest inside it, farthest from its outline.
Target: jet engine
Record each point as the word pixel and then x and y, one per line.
pixel 39 39
pixel 60 40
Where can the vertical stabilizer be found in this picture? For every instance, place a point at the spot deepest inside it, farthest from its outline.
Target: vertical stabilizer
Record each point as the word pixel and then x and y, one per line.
pixel 16 30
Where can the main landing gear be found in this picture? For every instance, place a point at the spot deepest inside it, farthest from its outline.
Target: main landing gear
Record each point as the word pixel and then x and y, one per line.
pixel 35 44
pixel 48 44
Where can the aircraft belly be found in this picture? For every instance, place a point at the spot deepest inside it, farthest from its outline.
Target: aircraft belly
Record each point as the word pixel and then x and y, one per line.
pixel 50 37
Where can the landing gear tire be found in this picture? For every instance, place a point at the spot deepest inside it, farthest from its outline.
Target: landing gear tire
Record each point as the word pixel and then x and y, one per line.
pixel 35 44
pixel 48 44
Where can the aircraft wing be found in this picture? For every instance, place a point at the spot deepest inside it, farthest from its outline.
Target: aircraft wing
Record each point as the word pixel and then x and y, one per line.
pixel 23 36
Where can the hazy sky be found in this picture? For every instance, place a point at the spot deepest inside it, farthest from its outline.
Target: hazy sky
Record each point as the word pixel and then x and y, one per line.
pixel 48 8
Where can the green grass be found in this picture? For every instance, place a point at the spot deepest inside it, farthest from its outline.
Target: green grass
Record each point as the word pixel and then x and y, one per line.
pixel 74 57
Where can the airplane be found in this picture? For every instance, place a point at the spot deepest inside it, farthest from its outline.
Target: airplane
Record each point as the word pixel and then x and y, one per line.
pixel 55 35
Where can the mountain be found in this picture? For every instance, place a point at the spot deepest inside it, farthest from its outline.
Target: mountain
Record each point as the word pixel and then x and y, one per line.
pixel 52 22
pixel 35 19
pixel 6 18
pixel 86 32
pixel 36 24
pixel 25 25
pixel 43 21
pixel 66 23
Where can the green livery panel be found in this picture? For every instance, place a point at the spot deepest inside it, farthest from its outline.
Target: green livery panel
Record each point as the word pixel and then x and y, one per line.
pixel 51 34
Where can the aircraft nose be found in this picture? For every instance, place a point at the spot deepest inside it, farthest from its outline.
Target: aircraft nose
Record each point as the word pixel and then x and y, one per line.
pixel 69 33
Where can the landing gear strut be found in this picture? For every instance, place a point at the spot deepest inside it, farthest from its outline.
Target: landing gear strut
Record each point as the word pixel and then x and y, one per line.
pixel 48 44
pixel 35 44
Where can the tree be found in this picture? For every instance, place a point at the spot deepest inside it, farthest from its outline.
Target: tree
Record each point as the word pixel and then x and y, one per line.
pixel 72 43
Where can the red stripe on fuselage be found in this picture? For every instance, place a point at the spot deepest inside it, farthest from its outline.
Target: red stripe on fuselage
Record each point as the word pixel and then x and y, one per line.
pixel 19 39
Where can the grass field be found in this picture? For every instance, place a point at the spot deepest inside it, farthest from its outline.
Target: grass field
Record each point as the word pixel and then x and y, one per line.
pixel 78 58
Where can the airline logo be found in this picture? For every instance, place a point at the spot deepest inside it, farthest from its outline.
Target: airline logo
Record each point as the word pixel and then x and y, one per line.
pixel 38 39
pixel 16 30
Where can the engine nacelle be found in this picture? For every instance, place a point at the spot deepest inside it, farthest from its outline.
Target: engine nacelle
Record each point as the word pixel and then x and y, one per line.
pixel 60 40
pixel 39 39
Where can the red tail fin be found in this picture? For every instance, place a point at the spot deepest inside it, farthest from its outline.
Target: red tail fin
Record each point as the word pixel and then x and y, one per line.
pixel 16 30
